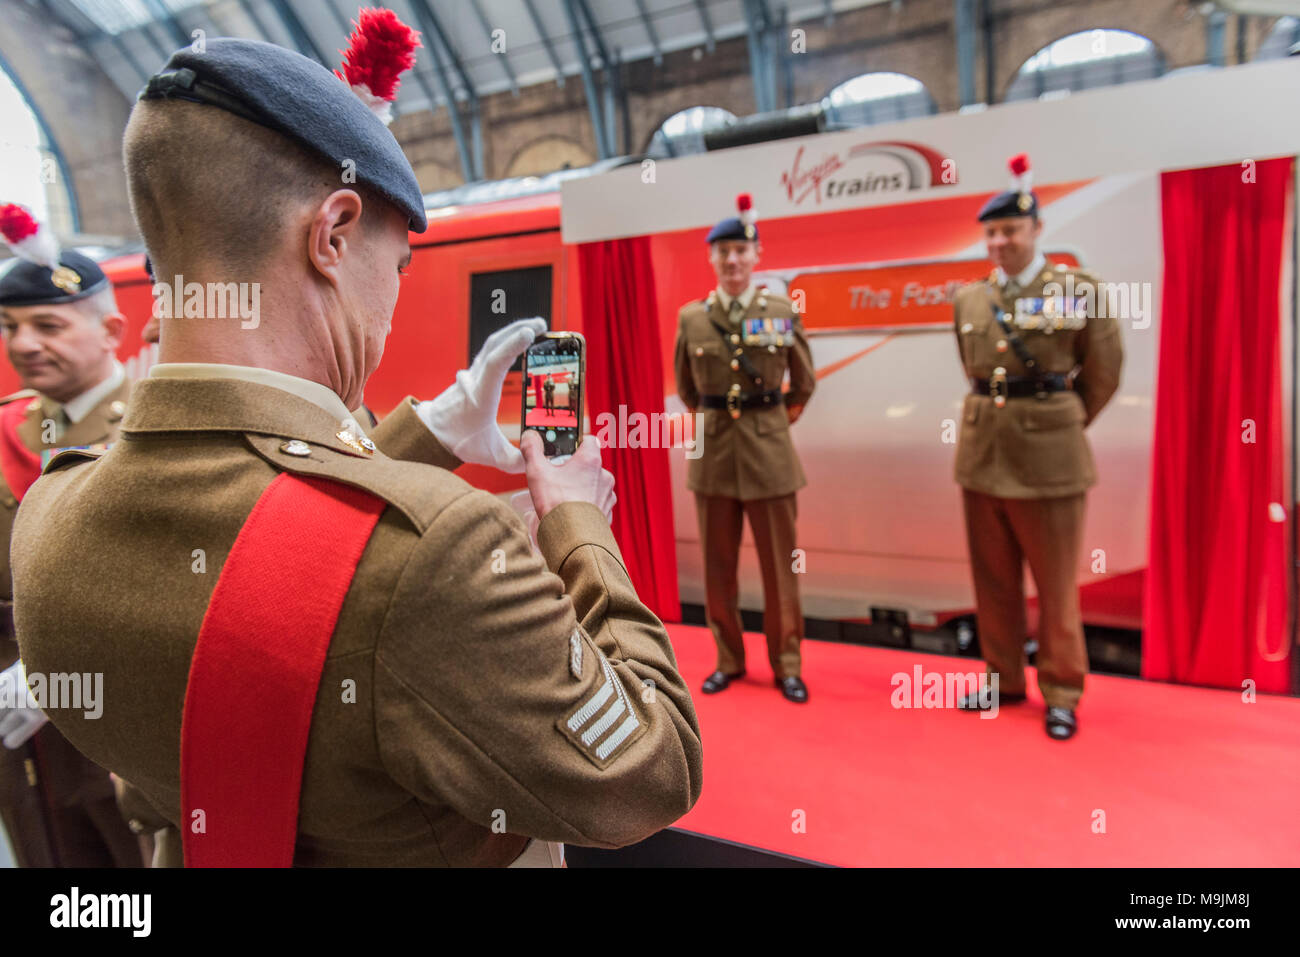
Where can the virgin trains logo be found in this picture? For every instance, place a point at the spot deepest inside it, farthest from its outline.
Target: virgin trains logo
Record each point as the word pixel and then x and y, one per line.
pixel 870 168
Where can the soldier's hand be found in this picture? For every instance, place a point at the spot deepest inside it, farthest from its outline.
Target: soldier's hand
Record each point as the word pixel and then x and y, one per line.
pixel 580 479
pixel 464 417
pixel 793 412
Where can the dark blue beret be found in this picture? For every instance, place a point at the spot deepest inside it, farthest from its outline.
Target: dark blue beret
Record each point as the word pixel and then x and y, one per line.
pixel 28 284
pixel 296 96
pixel 1011 203
pixel 732 228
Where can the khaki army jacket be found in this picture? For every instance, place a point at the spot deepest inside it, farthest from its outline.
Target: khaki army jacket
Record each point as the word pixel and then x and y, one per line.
pixel 1034 447
pixel 475 694
pixel 749 457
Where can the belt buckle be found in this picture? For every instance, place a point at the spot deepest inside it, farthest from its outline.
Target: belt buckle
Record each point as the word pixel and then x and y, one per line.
pixel 999 380
pixel 733 401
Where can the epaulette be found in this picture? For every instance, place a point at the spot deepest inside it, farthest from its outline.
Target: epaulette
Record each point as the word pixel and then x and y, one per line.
pixel 67 458
pixel 416 490
pixel 20 394
pixel 1081 271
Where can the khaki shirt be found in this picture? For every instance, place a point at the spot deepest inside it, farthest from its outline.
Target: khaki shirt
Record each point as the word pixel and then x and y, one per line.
pixel 499 695
pixel 751 457
pixel 1032 448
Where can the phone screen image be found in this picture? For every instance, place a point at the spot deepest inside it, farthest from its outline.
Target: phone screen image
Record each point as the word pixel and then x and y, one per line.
pixel 553 368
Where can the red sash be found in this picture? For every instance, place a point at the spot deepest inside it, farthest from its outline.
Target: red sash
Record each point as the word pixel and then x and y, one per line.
pixel 256 669
pixel 19 465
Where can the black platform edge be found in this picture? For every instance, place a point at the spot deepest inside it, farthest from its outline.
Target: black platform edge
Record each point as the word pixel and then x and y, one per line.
pixel 675 847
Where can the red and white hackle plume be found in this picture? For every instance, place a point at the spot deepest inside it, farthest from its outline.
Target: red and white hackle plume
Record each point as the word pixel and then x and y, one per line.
pixel 379 51
pixel 745 204
pixel 27 238
pixel 1022 177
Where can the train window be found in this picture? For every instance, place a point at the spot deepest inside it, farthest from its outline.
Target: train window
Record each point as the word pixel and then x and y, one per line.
pixel 497 299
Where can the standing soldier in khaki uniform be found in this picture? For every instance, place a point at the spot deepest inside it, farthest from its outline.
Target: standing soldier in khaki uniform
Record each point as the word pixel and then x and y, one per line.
pixel 1042 365
pixel 473 700
pixel 61 330
pixel 733 350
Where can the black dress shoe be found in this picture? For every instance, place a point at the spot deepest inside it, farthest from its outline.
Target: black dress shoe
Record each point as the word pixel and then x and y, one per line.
pixel 1061 723
pixel 718 681
pixel 793 688
pixel 978 702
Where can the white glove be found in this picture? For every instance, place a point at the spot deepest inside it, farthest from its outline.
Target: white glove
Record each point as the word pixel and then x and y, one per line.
pixel 20 718
pixel 464 417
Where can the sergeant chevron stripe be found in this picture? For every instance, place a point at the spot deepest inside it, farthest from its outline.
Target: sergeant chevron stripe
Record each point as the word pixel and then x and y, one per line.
pixel 608 708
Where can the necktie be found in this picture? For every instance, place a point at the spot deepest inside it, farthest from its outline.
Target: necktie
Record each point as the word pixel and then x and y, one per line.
pixel 736 310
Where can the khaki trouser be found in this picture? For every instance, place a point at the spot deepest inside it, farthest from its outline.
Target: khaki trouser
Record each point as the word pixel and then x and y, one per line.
pixel 1004 533
pixel 772 520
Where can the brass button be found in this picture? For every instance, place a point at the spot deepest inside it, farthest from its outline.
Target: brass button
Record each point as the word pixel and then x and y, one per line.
pixel 735 365
pixel 735 339
pixel 699 351
pixel 967 328
pixel 10 501
pixel 295 447
pixel 354 443
pixel 136 825
pixel 118 408
pixel 771 349
pixel 1002 345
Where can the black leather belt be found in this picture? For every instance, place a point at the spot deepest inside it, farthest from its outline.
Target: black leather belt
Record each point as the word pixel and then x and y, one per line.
pixel 1021 386
pixel 734 402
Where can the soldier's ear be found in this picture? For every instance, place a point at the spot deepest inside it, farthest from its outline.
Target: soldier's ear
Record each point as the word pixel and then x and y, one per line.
pixel 335 225
pixel 114 326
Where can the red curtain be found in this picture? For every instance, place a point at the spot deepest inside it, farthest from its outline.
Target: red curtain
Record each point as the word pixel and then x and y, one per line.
pixel 625 368
pixel 1216 593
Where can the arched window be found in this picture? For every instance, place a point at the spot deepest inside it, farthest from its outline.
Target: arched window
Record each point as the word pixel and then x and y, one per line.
pixel 30 167
pixel 1284 35
pixel 877 98
pixel 1085 60
pixel 683 132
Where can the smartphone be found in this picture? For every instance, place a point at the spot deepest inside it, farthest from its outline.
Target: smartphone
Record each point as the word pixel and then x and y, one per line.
pixel 555 369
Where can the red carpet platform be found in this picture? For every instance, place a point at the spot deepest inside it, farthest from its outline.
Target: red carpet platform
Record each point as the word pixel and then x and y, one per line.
pixel 1185 776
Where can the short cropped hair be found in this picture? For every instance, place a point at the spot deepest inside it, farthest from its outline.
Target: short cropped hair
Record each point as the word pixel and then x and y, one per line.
pixel 208 187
